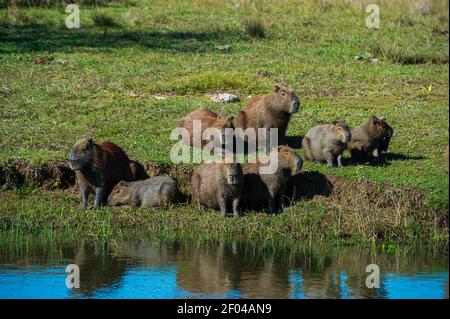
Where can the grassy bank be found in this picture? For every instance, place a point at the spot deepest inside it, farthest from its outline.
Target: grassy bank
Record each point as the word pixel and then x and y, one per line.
pixel 173 49
pixel 330 209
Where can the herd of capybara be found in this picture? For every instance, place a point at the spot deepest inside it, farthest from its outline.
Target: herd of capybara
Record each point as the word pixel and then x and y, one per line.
pixel 105 170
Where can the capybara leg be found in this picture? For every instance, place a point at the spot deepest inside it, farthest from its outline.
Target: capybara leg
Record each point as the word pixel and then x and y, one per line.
pixel 135 202
pixel 306 148
pixel 166 194
pixel 356 156
pixel 236 207
pixel 339 160
pixel 376 154
pixel 270 204
pixel 99 196
pixel 84 199
pixel 222 205
pixel 330 159
pixel 277 204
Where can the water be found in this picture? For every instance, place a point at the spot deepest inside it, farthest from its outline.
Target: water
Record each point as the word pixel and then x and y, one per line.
pixel 194 269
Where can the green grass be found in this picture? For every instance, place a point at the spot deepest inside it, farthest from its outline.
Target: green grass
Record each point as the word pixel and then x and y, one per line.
pixel 320 220
pixel 170 48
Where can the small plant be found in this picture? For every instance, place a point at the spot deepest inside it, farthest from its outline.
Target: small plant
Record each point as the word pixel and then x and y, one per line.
pixel 104 21
pixel 255 28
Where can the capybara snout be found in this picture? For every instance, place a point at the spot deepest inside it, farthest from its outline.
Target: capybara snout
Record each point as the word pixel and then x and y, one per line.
pixel 298 165
pixel 288 100
pixel 81 154
pixel 234 174
pixel 344 131
pixel 118 194
pixel 295 103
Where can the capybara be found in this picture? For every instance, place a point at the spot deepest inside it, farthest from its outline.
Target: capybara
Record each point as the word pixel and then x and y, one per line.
pixel 98 168
pixel 266 190
pixel 218 186
pixel 138 171
pixel 151 192
pixel 208 119
pixel 446 158
pixel 370 139
pixel 271 110
pixel 326 143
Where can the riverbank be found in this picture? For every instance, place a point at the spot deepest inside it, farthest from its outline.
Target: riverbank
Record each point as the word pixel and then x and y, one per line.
pixel 43 199
pixel 134 69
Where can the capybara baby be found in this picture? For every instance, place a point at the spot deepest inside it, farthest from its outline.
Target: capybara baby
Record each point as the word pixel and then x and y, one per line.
pixel 208 119
pixel 266 190
pixel 218 186
pixel 370 139
pixel 98 168
pixel 151 192
pixel 271 110
pixel 326 143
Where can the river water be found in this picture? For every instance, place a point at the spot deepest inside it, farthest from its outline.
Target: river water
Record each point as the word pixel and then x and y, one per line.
pixel 198 269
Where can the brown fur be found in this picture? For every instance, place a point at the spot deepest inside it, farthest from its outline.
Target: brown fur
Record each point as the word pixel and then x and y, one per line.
pixel 151 192
pixel 370 139
pixel 98 168
pixel 138 171
pixel 271 110
pixel 266 190
pixel 208 119
pixel 446 158
pixel 326 143
pixel 211 186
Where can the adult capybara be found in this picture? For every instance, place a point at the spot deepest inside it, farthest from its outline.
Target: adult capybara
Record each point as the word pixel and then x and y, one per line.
pixel 370 139
pixel 446 158
pixel 326 143
pixel 98 168
pixel 218 186
pixel 266 190
pixel 271 110
pixel 151 192
pixel 208 119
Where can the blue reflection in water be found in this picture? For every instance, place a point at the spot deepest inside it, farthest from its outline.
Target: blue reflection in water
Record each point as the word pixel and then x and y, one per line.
pixel 217 271
pixel 422 285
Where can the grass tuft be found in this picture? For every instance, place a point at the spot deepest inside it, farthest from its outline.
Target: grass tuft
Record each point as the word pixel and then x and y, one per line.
pixel 255 28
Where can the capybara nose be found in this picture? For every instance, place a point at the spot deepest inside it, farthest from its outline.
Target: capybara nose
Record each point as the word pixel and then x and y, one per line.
pixel 295 106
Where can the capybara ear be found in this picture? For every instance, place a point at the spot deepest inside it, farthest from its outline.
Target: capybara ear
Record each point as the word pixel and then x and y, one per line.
pixel 375 120
pixel 335 122
pixel 90 140
pixel 277 88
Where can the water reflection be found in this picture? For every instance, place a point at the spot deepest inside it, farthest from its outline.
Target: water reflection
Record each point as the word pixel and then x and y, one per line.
pixel 195 269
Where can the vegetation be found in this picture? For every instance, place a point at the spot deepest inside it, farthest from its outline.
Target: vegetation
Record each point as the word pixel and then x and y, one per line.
pixel 106 87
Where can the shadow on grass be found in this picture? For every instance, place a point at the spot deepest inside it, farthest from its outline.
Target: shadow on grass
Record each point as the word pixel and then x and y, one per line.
pixel 307 185
pixel 294 141
pixel 36 38
pixel 386 159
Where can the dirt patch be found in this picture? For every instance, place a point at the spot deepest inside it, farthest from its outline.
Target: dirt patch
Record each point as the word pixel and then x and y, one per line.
pixel 52 175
